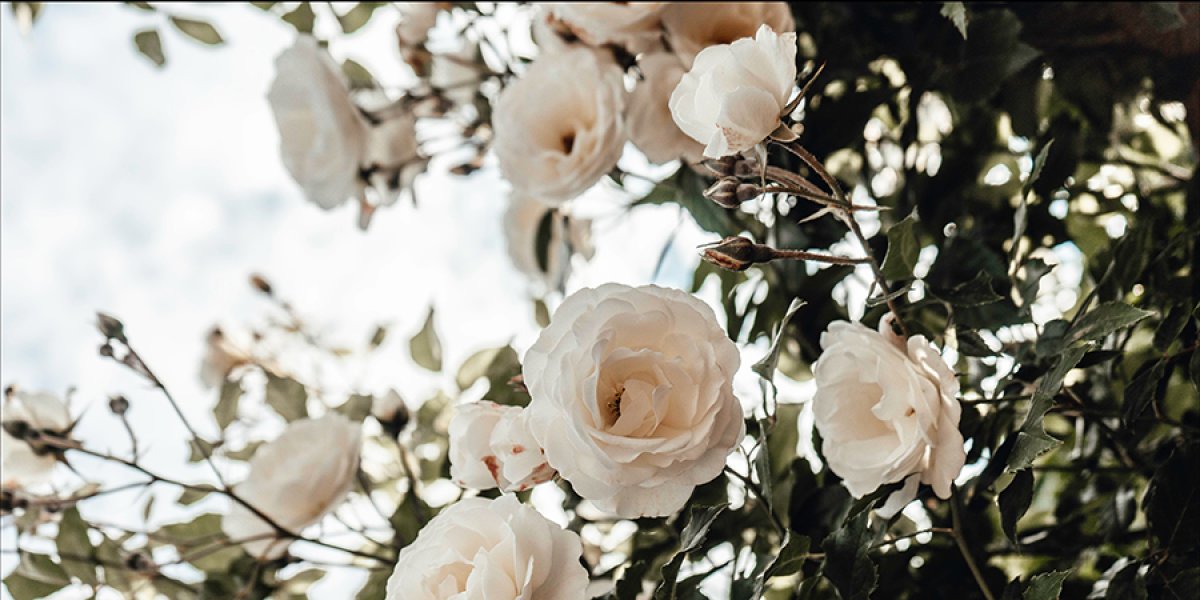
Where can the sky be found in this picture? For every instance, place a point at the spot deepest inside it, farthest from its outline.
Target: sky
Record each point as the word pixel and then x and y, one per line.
pixel 152 194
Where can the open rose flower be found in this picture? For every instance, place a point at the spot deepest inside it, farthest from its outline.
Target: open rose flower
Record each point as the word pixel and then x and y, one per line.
pixel 221 357
pixel 480 548
pixel 25 416
pixel 732 97
pixel 295 480
pixel 559 128
pixel 490 446
pixel 694 26
pixel 651 127
pixel 322 136
pixel 632 396
pixel 523 223
pixel 634 25
pixel 887 411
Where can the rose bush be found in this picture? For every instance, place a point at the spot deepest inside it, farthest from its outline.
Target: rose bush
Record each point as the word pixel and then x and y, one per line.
pixel 632 398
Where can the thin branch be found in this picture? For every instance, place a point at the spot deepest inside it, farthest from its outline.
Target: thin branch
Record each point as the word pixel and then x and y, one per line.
pixel 961 541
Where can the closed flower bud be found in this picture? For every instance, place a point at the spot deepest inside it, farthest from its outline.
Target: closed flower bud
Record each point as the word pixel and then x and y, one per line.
pixel 118 405
pixel 724 192
pixel 110 327
pixel 747 191
pixel 261 284
pixel 736 253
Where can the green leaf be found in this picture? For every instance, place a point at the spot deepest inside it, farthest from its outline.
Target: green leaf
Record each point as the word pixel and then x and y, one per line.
pixel 376 586
pixel 700 518
pixel 1126 584
pixel 425 347
pixel 1039 163
pixel 902 250
pixel 287 397
pixel 226 410
pixel 957 13
pixel 766 366
pixel 196 448
pixel 976 292
pixel 359 76
pixel 1171 326
pixel 356 407
pixel 36 576
pixel 301 18
pixel 686 188
pixel 1140 392
pixel 791 557
pixel 1105 319
pixel 971 344
pixel 847 564
pixel 1032 440
pixel 358 16
pixel 150 45
pixel 1014 502
pixel 203 525
pixel 1172 501
pixel 1046 586
pixel 201 31
pixel 72 541
pixel 190 496
pixel 543 239
pixel 245 453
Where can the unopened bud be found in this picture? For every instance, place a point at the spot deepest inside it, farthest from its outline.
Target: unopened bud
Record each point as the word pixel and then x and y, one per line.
pixel 140 562
pixel 261 284
pixel 736 253
pixel 106 350
pixel 110 327
pixel 724 192
pixel 722 167
pixel 747 191
pixel 118 405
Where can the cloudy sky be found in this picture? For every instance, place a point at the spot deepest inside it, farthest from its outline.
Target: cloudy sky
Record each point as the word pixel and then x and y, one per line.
pixel 152 194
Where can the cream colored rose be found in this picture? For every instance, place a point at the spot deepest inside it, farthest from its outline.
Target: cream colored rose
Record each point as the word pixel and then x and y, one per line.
pixel 887 411
pixel 651 127
pixel 524 222
pixel 635 25
pixel 480 548
pixel 295 480
pixel 632 396
pixel 30 413
pixel 732 97
pixel 559 128
pixel 694 26
pixel 322 136
pixel 491 446
pixel 221 357
pixel 393 158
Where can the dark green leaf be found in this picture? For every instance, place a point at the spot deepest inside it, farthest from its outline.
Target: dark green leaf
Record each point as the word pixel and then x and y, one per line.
pixel 1127 584
pixel 1032 440
pixel 976 292
pixel 1039 163
pixel 700 518
pixel 1046 586
pixel 847 564
pixel 1163 16
pixel 1105 319
pixel 425 347
pixel 1140 392
pixel 791 557
pixel 150 45
pixel 201 31
pixel 1169 329
pixel 971 344
pixel 1014 501
pixel 1172 502
pixel 226 410
pixel 287 397
pixel 766 366
pixel 543 239
pixel 903 250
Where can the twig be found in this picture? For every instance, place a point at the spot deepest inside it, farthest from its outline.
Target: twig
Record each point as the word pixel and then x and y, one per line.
pixel 961 541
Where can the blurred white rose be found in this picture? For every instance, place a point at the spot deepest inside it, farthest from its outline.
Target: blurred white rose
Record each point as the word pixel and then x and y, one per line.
pixel 322 136
pixel 632 396
pixel 295 480
pixel 524 222
pixel 388 406
pixel 490 446
pixel 416 19
pixel 24 465
pixel 559 128
pixel 393 159
pixel 651 127
pixel 694 26
pixel 635 25
pixel 732 97
pixel 480 548
pixel 457 74
pixel 887 410
pixel 221 357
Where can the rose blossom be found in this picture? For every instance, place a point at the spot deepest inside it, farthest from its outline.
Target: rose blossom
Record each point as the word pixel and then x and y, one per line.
pixel 480 548
pixel 221 357
pixel 295 480
pixel 692 27
pixel 321 135
pixel 631 24
pixel 632 396
pixel 887 411
pixel 523 221
pixel 490 446
pixel 651 127
pixel 24 465
pixel 559 128
pixel 731 98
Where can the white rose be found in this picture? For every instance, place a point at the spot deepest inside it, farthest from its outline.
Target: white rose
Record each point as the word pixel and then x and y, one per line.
pixel 692 27
pixel 651 127
pixel 559 128
pixel 635 25
pixel 416 19
pixel 393 159
pixel 491 446
pixel 523 221
pixel 24 465
pixel 732 97
pixel 887 410
pixel 480 548
pixel 321 133
pixel 632 396
pixel 221 357
pixel 295 480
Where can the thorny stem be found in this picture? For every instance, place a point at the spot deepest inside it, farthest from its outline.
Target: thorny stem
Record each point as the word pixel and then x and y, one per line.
pixel 961 541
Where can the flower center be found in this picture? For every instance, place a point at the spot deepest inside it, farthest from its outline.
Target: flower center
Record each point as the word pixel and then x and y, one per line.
pixel 614 405
pixel 568 142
